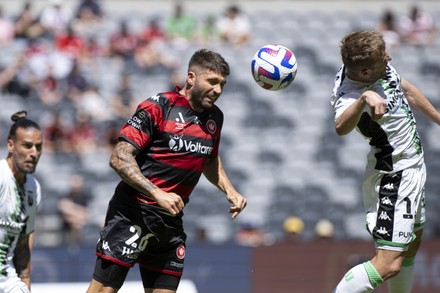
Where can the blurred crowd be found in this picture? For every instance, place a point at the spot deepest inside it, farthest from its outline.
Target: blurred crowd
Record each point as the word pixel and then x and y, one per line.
pixel 50 59
pixel 417 28
pixel 54 53
pixel 55 48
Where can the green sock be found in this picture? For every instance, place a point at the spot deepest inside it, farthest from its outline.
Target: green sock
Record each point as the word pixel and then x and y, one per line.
pixel 360 279
pixel 373 275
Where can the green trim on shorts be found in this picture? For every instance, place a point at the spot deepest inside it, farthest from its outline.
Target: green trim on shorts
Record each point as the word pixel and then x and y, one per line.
pixel 373 275
pixel 419 225
pixel 408 261
pixel 390 243
pixel 396 244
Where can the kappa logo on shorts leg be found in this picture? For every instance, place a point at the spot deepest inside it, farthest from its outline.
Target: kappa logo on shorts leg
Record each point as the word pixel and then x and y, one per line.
pixel 382 231
pixel 384 216
pixel 106 246
pixel 386 201
pixel 180 252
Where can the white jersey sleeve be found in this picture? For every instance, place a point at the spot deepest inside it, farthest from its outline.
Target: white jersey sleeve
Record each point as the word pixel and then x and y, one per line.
pixel 395 143
pixel 33 194
pixel 18 209
pixel 342 98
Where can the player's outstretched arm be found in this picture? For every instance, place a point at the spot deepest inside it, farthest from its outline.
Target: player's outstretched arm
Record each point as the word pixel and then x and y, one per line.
pixel 349 119
pixel 215 173
pixel 124 163
pixel 419 102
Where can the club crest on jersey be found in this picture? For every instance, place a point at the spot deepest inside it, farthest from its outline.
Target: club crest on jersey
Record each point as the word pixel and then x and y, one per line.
pixel 211 126
pixel 180 252
pixel 176 142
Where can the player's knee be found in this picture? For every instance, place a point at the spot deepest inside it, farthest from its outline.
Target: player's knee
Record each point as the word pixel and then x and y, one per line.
pixel 393 269
pixel 387 267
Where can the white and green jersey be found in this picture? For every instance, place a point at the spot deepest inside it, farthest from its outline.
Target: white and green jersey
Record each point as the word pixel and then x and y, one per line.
pixel 18 208
pixel 395 143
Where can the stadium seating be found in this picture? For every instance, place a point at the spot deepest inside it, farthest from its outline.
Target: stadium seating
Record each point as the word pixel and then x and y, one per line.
pixel 280 147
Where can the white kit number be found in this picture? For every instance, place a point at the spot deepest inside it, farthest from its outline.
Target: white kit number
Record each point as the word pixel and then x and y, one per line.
pixel 137 234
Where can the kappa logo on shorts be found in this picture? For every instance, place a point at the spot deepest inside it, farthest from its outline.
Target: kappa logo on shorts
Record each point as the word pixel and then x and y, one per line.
pixel 386 201
pixel 388 186
pixel 384 216
pixel 382 231
pixel 105 246
pixel 180 252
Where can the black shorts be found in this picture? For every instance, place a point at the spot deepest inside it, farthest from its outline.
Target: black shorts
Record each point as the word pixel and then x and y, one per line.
pixel 141 234
pixel 113 275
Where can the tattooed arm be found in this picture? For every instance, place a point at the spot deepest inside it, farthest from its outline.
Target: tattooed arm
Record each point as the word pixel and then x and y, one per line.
pixel 22 258
pixel 124 163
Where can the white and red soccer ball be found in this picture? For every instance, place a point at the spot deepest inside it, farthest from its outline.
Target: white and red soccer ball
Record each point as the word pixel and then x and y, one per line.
pixel 274 67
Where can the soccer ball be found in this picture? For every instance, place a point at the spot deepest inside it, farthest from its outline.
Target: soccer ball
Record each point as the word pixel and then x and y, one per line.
pixel 274 67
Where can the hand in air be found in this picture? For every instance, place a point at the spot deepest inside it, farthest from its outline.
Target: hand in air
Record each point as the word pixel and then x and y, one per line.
pixel 238 203
pixel 376 103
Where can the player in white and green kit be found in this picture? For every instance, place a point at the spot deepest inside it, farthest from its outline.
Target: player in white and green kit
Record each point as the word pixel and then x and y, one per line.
pixel 370 95
pixel 19 198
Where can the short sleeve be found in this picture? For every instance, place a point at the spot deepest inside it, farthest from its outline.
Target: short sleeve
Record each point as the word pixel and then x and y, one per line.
pixel 33 202
pixel 340 104
pixel 141 126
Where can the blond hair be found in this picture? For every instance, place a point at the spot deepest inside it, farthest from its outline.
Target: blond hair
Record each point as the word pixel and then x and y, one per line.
pixel 363 49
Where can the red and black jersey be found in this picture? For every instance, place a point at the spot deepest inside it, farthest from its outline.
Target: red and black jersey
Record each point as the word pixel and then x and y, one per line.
pixel 174 143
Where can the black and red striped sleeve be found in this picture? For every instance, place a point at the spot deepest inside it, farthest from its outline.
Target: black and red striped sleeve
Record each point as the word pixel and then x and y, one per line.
pixel 141 126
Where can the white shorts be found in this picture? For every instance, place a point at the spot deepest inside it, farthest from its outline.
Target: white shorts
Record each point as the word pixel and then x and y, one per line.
pixel 13 284
pixel 395 206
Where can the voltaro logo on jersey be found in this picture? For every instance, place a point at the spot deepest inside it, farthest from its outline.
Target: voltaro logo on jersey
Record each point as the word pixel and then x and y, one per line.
pixel 177 142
